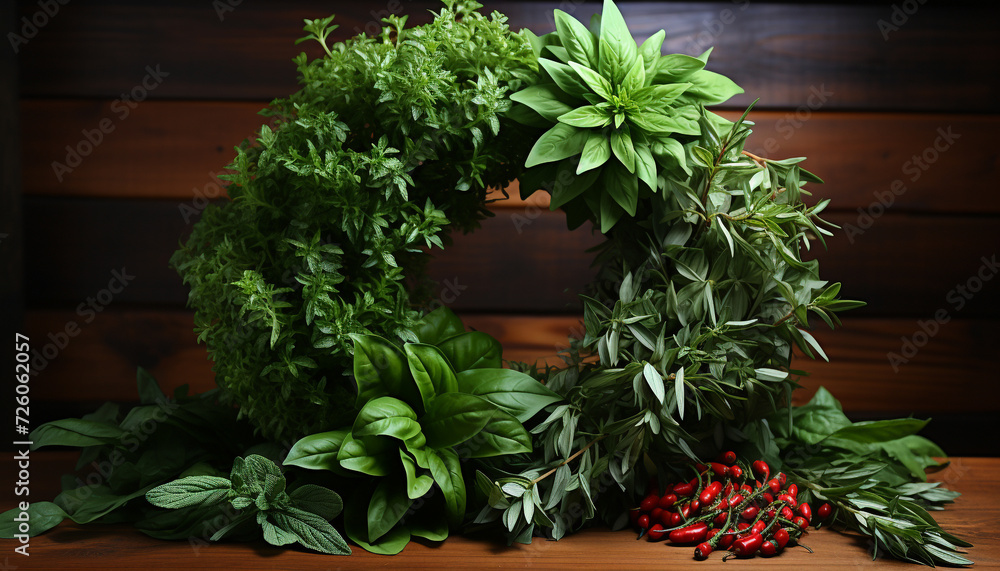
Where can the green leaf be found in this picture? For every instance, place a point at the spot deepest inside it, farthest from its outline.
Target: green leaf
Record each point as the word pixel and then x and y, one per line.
pixel 576 38
pixel 504 434
pixel 447 473
pixel 472 350
pixel 416 485
pixel 569 185
pixel 366 455
pixel 596 152
pixel 617 51
pixel 673 68
pixel 544 100
pixel 386 416
pixel 650 51
pixel 388 505
pixel 622 186
pixel 660 96
pixel 635 77
pixel 679 391
pixel 311 530
pixel 453 418
pixel 356 527
pixel 511 391
pixel 316 499
pixel 438 325
pixel 558 143
pixel 42 516
pixel 645 166
pixel 586 117
pixel 317 451
pixel 710 88
pixel 657 124
pixel 75 432
pixel 812 424
pixel 191 491
pixel 565 78
pixel 621 144
pixel 655 382
pixel 594 81
pixel 379 368
pixel 431 371
pixel 875 431
pixel 671 150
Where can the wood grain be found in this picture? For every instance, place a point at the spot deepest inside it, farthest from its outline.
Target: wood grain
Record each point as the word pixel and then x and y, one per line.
pixel 173 149
pixel 99 362
pixel 940 59
pixel 520 261
pixel 116 546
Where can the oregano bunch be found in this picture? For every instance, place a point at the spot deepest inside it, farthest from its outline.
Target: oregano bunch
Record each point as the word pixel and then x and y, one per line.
pixel 391 143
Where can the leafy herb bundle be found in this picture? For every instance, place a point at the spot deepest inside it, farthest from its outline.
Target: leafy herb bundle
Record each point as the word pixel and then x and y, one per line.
pixel 390 144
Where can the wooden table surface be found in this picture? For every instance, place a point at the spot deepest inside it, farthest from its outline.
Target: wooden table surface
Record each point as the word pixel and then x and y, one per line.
pixel 975 516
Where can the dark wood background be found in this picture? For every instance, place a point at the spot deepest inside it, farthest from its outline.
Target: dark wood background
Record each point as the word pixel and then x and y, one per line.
pixel 860 101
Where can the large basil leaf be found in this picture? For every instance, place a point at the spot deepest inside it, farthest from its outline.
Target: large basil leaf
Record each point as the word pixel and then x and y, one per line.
pixel 473 350
pixel 511 391
pixel 617 51
pixel 75 432
pixel 711 88
pixel 438 325
pixel 503 434
pixel 558 143
pixel 379 369
pixel 431 371
pixel 317 451
pixel 356 527
pixel 576 38
pixel 386 416
pixel 544 100
pixel 453 418
pixel 447 473
pixel 366 455
pixel 388 505
pixel 416 484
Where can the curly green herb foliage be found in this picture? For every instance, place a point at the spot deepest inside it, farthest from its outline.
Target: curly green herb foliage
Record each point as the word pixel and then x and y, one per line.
pixel 703 297
pixel 874 474
pixel 616 114
pixel 256 491
pixel 390 144
pixel 424 407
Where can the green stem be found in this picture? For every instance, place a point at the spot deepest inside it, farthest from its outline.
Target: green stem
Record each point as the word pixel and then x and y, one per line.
pixel 567 461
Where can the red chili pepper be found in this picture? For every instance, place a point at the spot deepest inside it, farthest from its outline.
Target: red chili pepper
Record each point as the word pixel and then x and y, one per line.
pixel 787 513
pixel 736 500
pixel 824 511
pixel 700 467
pixel 736 472
pixel 720 518
pixel 746 490
pixel 801 522
pixel 720 470
pixel 648 503
pixel 667 501
pixel 728 458
pixel 656 532
pixel 758 527
pixel 768 548
pixel 684 489
pixel 789 499
pixel 762 470
pixel 782 478
pixel 749 513
pixel 775 486
pixel 675 519
pixel 781 536
pixel 805 511
pixel 694 533
pixel 793 490
pixel 767 497
pixel 708 495
pixel 701 552
pixel 770 513
pixel 726 540
pixel 747 546
pixel 728 490
pixel 643 521
pixel 656 514
pixel 686 510
pixel 743 526
pixel 695 505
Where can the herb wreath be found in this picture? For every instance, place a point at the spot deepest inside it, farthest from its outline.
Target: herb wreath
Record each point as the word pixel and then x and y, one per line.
pixel 306 286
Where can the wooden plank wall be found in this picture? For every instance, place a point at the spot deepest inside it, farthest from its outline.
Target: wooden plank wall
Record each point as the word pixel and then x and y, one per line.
pixel 872 96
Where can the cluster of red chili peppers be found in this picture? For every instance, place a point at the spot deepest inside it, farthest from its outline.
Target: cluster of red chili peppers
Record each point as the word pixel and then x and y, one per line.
pixel 725 508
